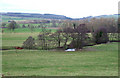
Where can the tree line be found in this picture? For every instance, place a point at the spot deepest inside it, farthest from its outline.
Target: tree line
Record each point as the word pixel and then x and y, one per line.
pixel 77 34
pixel 73 34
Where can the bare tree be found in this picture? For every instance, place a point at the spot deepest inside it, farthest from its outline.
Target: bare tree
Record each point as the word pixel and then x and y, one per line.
pixel 57 37
pixel 81 36
pixel 43 38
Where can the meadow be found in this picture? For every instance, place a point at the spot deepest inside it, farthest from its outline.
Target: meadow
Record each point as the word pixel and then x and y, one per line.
pixel 98 60
pixel 26 30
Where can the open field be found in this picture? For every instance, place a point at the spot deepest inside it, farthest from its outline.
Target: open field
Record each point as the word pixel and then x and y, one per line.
pixel 24 30
pixel 99 60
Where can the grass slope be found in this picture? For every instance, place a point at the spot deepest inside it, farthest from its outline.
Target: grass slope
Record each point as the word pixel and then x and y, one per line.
pixel 99 60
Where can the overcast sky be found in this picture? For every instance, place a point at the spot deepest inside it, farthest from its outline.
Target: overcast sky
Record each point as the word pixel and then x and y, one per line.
pixel 69 8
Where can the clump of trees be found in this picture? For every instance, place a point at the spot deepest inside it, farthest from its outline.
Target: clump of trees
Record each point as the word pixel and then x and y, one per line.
pixel 68 37
pixel 77 34
pixel 100 36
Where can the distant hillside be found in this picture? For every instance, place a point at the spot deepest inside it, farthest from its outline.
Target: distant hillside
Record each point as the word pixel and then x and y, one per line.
pixel 35 16
pixel 101 16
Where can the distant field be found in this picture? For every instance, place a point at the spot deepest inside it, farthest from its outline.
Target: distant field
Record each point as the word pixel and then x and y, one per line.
pixel 7 18
pixel 99 60
pixel 26 30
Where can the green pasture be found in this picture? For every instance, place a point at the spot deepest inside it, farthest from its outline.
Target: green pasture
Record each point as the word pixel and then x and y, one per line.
pixel 25 30
pixel 16 39
pixel 99 60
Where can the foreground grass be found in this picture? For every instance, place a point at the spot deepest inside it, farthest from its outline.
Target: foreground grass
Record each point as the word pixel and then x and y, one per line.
pixel 100 60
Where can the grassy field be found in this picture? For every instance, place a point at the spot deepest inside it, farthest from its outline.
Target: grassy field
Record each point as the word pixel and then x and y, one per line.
pixel 99 60
pixel 25 30
pixel 16 39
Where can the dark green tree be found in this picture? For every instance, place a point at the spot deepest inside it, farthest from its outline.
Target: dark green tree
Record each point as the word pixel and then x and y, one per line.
pixel 29 43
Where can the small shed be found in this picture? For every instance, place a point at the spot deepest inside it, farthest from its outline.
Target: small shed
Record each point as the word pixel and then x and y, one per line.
pixel 70 50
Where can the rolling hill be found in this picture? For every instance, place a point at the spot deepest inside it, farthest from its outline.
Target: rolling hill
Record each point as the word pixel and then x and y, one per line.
pixel 35 16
